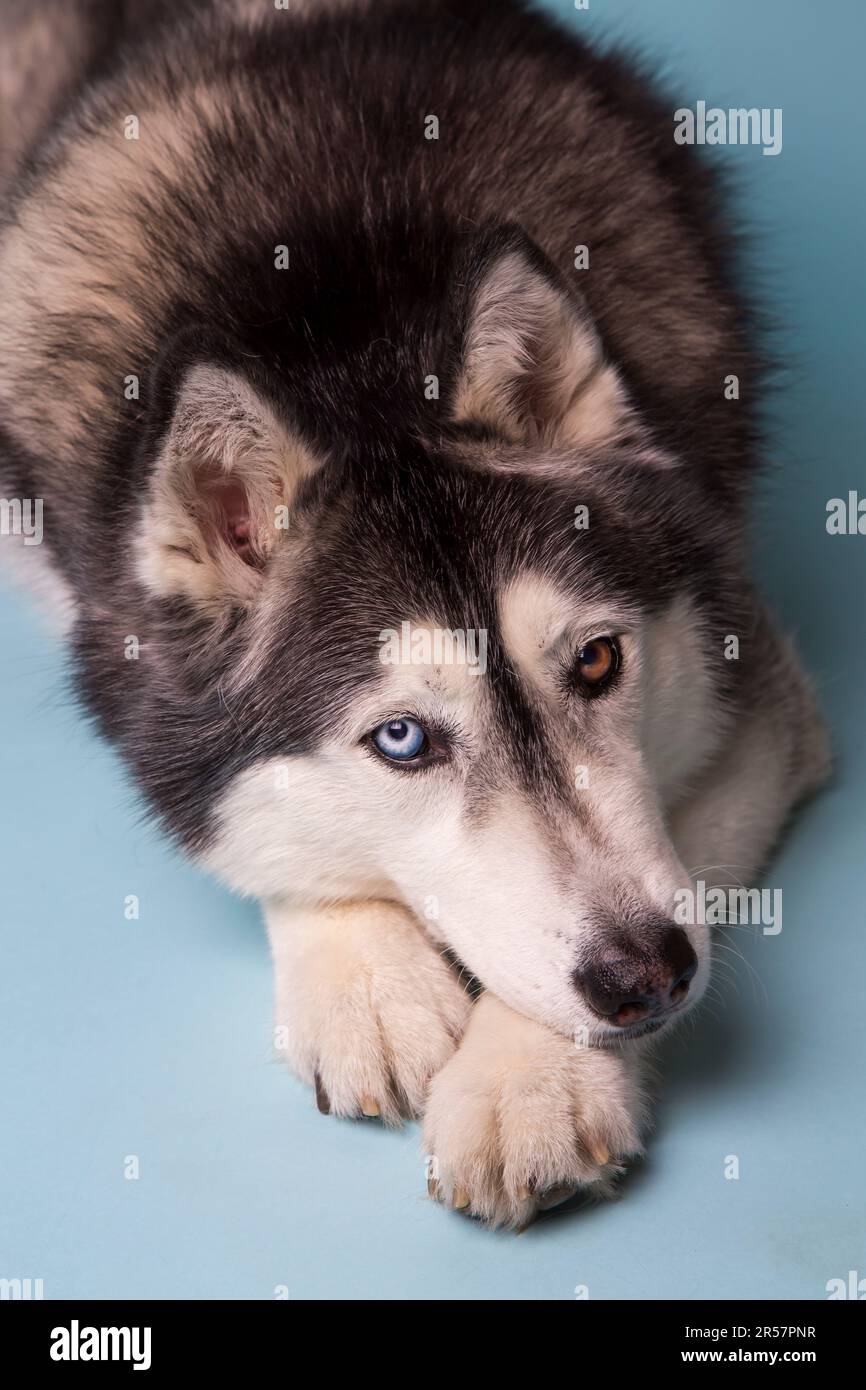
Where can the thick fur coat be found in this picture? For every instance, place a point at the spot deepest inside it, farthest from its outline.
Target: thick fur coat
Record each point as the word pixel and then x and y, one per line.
pixel 322 321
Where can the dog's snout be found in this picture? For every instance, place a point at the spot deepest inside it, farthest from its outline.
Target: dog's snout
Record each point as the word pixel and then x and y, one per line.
pixel 627 984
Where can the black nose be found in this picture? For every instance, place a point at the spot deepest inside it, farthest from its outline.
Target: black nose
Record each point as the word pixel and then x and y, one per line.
pixel 626 984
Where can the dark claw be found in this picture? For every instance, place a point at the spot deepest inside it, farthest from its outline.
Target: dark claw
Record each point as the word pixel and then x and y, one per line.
pixel 323 1104
pixel 554 1197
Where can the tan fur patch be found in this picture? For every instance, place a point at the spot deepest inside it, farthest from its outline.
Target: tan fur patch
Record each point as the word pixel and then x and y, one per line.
pixel 79 264
pixel 42 49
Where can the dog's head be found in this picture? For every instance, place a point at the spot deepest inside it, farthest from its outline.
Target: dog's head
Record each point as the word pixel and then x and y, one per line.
pixel 453 654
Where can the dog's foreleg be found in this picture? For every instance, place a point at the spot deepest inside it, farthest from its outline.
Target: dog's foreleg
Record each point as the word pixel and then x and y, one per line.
pixel 367 1009
pixel 521 1117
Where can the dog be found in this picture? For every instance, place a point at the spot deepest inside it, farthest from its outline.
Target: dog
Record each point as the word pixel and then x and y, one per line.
pixel 370 364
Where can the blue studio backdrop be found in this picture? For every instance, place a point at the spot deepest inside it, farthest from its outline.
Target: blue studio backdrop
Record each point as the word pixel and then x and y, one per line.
pixel 150 1146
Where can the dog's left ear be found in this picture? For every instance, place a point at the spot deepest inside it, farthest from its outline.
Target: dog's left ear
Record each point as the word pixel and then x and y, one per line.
pixel 533 369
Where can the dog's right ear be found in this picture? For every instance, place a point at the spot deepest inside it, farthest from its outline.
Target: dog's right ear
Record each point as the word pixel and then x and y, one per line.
pixel 217 503
pixel 533 365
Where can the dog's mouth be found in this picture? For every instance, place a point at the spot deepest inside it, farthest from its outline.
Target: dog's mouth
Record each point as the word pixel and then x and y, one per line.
pixel 636 1030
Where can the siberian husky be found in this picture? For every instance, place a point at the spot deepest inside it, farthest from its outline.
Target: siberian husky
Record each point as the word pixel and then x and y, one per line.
pixel 369 364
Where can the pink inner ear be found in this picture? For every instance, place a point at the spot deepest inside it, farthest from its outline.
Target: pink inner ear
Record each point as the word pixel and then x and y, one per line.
pixel 233 505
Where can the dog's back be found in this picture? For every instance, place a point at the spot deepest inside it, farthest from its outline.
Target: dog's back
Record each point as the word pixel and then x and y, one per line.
pixel 50 51
pixel 371 141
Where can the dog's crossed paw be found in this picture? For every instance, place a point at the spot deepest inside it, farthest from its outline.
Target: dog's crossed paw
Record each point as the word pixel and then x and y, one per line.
pixel 378 1012
pixel 521 1118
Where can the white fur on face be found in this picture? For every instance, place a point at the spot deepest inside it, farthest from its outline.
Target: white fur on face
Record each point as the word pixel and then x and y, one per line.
pixel 516 889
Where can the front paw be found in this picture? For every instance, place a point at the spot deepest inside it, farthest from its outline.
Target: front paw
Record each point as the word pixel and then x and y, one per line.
pixel 369 1011
pixel 521 1117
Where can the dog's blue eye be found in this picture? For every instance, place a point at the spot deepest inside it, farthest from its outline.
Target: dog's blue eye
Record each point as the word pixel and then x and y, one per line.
pixel 400 739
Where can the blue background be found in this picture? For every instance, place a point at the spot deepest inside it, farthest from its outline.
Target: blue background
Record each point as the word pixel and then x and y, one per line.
pixel 153 1037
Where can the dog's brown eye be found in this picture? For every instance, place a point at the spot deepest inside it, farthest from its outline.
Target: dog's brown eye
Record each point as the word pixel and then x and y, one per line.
pixel 597 662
